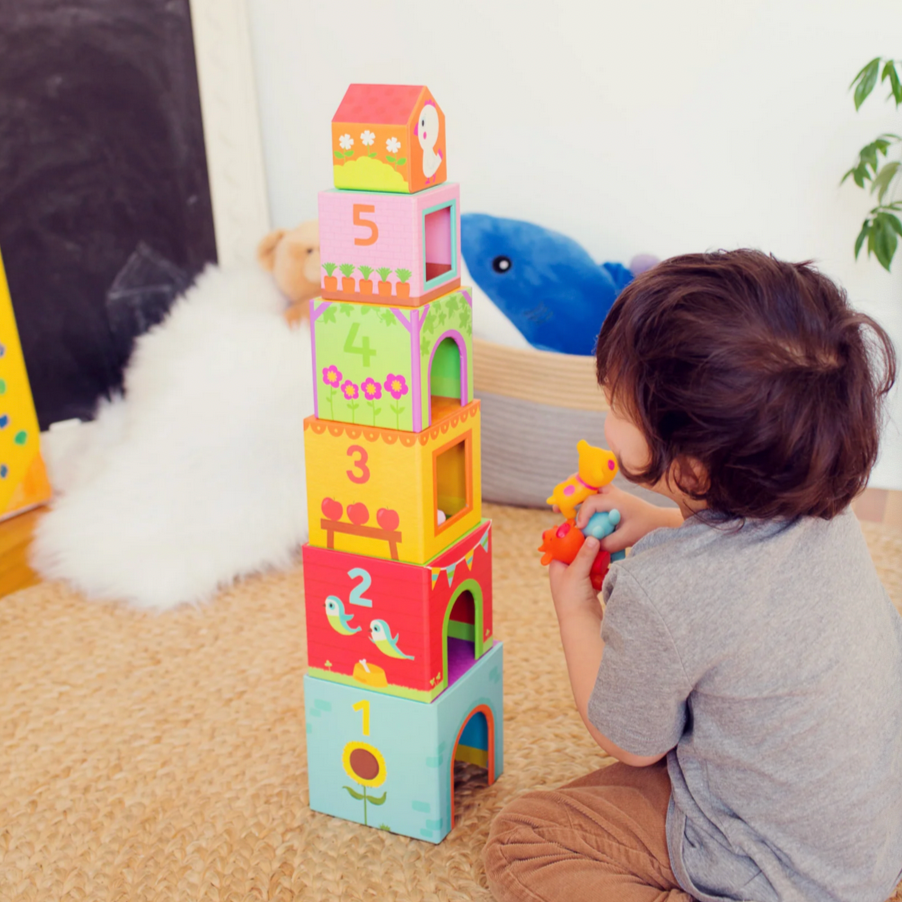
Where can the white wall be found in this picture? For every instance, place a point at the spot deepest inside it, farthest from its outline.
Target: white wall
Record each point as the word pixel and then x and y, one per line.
pixel 651 126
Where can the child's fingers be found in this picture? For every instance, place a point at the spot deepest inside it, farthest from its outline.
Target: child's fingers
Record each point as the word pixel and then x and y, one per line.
pixel 592 505
pixel 619 540
pixel 582 563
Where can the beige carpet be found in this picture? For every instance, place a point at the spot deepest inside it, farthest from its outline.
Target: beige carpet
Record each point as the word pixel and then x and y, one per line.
pixel 162 758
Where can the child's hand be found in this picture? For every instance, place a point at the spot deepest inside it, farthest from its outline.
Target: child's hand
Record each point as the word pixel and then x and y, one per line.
pixel 571 586
pixel 638 517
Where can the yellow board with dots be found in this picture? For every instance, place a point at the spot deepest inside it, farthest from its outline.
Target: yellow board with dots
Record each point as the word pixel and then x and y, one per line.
pixel 23 477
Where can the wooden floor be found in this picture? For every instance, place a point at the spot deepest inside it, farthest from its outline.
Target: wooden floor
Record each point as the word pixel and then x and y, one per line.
pixel 874 505
pixel 15 538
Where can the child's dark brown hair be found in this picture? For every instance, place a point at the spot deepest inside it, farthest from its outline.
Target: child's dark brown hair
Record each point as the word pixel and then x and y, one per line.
pixel 759 370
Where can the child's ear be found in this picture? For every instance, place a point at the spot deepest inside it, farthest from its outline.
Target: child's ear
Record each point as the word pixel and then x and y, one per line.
pixel 690 476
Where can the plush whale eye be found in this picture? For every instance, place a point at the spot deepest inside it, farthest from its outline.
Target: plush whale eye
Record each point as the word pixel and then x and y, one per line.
pixel 501 263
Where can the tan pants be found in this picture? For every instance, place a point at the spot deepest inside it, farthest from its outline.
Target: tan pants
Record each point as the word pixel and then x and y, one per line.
pixel 598 838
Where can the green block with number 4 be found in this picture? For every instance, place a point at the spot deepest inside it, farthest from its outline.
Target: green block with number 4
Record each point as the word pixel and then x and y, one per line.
pixel 391 367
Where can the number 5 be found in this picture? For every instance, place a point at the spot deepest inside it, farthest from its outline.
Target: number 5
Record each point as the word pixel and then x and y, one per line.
pixel 366 223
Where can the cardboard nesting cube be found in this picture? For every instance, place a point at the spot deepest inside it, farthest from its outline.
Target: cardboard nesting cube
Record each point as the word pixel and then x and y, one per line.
pixel 392 368
pixel 395 249
pixel 421 488
pixel 388 762
pixel 401 629
pixel 388 138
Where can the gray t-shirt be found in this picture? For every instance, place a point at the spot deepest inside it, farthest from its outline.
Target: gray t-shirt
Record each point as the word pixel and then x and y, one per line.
pixel 767 660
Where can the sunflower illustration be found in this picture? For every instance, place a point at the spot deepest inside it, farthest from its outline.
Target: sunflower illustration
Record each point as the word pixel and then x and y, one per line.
pixel 364 764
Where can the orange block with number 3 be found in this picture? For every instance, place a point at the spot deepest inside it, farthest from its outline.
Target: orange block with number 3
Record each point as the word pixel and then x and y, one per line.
pixel 390 494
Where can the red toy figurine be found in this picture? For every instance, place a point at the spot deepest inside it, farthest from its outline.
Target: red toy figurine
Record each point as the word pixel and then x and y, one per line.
pixel 562 543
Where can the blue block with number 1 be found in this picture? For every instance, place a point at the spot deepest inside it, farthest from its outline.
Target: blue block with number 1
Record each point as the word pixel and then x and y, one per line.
pixel 389 762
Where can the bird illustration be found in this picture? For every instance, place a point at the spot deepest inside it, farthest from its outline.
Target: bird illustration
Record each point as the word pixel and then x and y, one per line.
pixel 381 637
pixel 338 619
pixel 426 131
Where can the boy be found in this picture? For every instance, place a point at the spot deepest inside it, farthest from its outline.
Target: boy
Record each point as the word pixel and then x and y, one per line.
pixel 747 669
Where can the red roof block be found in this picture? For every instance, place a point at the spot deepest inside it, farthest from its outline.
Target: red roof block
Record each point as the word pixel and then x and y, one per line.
pixel 378 104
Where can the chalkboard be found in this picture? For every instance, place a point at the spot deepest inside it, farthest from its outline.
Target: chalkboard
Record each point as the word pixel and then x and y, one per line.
pixel 105 210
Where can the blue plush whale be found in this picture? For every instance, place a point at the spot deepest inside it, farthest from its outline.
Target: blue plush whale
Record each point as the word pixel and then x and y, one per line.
pixel 542 281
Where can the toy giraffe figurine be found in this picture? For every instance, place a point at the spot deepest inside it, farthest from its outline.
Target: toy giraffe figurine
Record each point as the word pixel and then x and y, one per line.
pixel 596 469
pixel 404 675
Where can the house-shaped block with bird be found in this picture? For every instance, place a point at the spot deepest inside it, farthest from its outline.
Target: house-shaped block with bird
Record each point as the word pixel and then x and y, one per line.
pixel 388 762
pixel 422 488
pixel 388 138
pixel 23 477
pixel 392 368
pixel 401 250
pixel 402 629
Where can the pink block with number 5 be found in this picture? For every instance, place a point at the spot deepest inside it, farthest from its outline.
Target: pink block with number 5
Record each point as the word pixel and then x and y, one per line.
pixel 394 249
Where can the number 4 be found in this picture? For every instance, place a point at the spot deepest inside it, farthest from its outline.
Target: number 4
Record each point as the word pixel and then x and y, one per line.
pixel 364 349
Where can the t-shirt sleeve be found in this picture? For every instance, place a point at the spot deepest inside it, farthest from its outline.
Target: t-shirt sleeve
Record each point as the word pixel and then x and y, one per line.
pixel 639 699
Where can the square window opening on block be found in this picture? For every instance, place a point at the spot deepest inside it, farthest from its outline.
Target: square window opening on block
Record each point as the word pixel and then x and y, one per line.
pixel 453 476
pixel 440 240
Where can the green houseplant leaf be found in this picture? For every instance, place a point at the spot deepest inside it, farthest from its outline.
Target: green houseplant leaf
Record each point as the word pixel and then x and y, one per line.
pixel 889 72
pixel 883 179
pixel 865 80
pixel 882 228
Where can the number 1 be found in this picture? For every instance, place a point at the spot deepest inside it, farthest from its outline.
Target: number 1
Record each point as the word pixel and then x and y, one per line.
pixel 364 706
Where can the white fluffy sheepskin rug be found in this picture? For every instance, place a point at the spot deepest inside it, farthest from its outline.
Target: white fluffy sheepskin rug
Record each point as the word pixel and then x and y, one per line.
pixel 196 477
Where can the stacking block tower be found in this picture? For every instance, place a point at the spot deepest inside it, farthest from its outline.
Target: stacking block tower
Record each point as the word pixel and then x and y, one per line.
pixel 23 477
pixel 404 676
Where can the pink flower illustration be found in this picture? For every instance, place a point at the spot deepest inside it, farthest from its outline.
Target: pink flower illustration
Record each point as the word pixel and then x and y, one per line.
pixel 332 378
pixel 396 386
pixel 350 390
pixel 372 390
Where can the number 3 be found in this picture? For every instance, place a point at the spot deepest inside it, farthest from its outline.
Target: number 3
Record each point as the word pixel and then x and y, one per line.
pixel 359 464
pixel 366 223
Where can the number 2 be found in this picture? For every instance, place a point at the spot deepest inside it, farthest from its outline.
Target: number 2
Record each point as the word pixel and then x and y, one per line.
pixel 356 596
pixel 359 464
pixel 366 223
pixel 364 706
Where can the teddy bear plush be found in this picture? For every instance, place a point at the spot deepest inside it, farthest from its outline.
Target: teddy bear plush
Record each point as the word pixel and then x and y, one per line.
pixel 292 256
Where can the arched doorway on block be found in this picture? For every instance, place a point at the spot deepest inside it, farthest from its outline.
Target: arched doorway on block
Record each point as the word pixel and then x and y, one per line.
pixel 475 745
pixel 447 375
pixel 462 632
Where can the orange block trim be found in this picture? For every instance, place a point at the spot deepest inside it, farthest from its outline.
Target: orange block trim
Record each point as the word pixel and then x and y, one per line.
pixel 390 436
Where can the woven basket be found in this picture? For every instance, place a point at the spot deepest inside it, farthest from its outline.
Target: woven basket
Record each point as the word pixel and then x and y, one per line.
pixel 536 405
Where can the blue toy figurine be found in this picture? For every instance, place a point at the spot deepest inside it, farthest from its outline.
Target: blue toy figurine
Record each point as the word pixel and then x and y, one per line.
pixel 602 524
